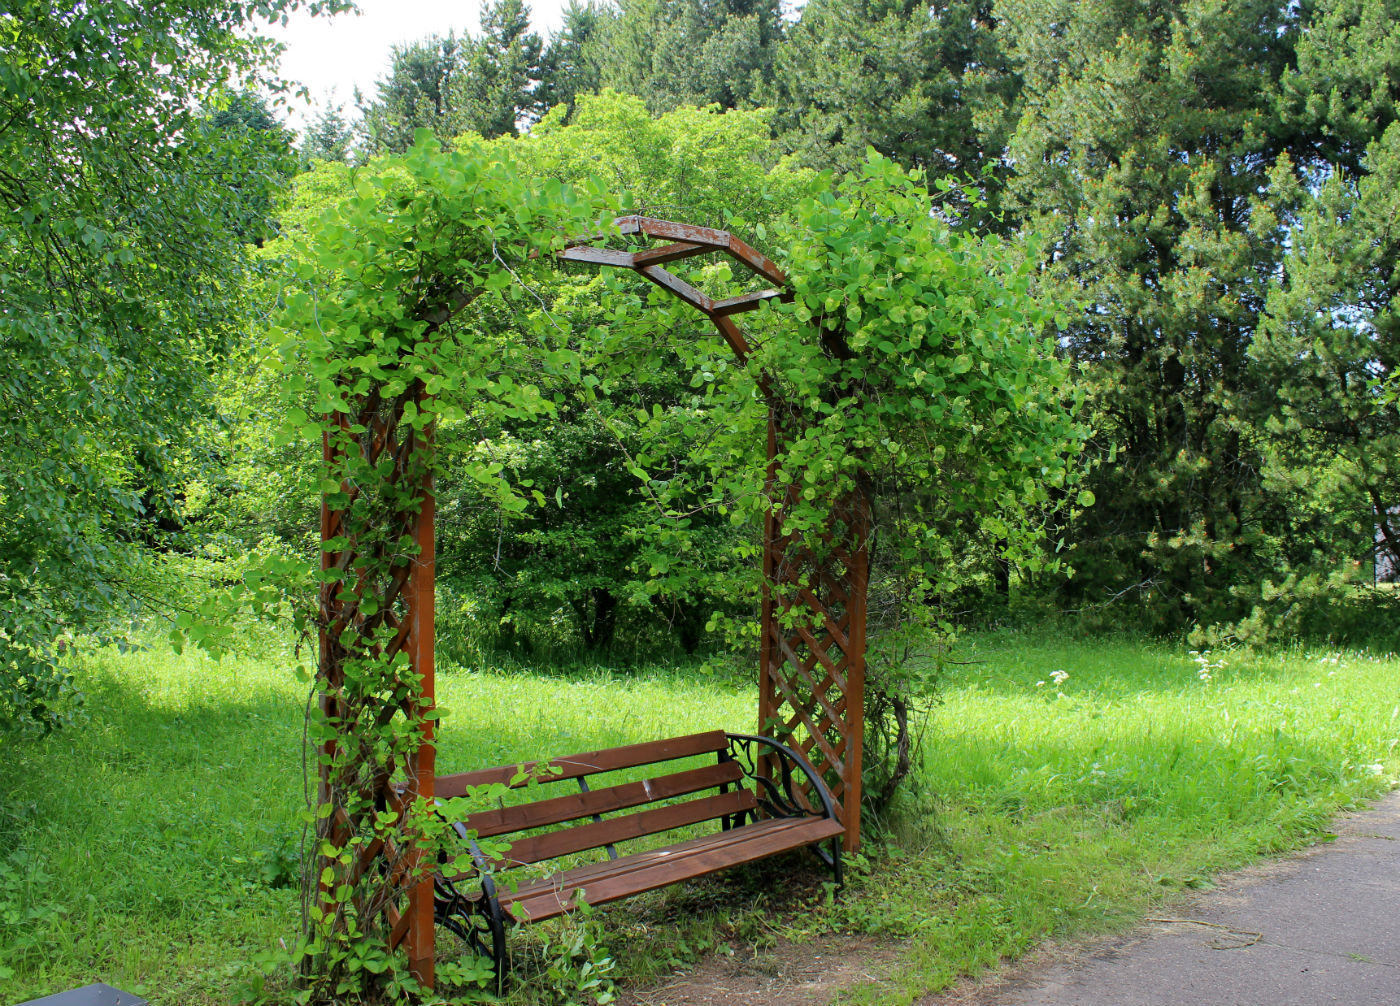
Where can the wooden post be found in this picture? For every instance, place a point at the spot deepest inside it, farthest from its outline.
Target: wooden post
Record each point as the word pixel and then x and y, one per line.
pixel 858 576
pixel 769 658
pixel 420 598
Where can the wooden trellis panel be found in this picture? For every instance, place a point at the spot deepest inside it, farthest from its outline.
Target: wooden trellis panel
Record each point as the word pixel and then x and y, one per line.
pixel 812 657
pixel 380 588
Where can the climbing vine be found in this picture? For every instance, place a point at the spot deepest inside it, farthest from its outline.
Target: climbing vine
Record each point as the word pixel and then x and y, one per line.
pixel 915 368
pixel 385 339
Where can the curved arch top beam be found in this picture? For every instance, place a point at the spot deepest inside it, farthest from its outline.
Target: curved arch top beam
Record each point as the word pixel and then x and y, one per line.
pixel 687 241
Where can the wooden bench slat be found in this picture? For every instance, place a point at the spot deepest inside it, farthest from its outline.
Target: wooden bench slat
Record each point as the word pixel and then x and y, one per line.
pixel 576 806
pixel 618 829
pixel 591 872
pixel 589 762
pixel 647 871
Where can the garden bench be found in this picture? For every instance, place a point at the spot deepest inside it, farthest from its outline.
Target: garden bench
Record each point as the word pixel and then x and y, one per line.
pixel 760 814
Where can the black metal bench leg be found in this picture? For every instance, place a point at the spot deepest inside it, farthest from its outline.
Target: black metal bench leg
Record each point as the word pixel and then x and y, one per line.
pixel 500 956
pixel 479 922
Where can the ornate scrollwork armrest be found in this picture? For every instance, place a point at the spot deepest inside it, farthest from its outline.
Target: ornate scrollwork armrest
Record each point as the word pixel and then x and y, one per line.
pixel 778 797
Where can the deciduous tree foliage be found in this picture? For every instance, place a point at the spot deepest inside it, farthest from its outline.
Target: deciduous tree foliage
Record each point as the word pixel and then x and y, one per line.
pixel 122 270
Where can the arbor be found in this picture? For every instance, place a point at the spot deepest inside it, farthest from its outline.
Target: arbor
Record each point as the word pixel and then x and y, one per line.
pixel 910 363
pixel 121 270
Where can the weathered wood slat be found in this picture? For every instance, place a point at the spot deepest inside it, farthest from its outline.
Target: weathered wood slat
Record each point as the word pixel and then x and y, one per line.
pixel 610 869
pixel 596 256
pixel 679 287
pixel 675 231
pixel 619 829
pixel 733 336
pixel 576 806
pixel 587 763
pixel 745 302
pixel 756 260
pixel 647 871
pixel 668 253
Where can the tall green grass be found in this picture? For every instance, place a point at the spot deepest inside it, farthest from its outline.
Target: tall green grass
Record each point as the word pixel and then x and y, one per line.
pixel 153 847
pixel 1069 809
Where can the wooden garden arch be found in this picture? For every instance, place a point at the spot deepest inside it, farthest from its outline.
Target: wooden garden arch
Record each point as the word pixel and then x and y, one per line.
pixel 812 651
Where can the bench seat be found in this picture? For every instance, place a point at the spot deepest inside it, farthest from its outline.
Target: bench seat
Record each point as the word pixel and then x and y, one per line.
pixel 646 871
pixel 764 796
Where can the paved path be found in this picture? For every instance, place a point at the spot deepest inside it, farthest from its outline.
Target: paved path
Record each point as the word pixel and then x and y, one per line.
pixel 1321 927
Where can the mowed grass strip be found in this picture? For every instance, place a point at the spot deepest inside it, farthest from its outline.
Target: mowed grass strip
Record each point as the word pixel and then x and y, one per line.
pixel 152 847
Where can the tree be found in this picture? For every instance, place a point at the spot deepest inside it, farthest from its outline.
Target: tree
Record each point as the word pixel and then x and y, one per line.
pixel 503 68
pixel 121 268
pixel 1150 149
pixel 329 137
pixel 1331 331
pixel 243 121
pixel 924 83
pixel 600 552
pixel 420 92
pixel 683 52
pixel 570 64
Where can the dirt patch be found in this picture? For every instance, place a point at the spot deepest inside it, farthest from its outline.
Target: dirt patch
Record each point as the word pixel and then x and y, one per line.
pixel 787 974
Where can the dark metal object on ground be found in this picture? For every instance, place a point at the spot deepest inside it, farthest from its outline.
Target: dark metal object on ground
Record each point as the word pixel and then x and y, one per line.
pixel 96 994
pixel 759 816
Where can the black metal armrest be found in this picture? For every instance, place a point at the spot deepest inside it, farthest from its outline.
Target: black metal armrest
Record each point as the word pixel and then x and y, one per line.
pixel 778 797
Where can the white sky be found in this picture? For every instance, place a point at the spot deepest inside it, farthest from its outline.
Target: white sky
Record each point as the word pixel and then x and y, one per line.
pixel 333 56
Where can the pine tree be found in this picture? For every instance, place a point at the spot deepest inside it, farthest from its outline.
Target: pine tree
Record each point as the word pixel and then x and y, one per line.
pixel 691 52
pixel 1332 329
pixel 497 91
pixel 1151 152
pixel 329 137
pixel 419 92
pixel 569 66
pixel 907 78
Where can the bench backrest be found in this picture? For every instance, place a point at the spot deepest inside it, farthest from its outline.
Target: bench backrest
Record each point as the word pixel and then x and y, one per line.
pixel 588 805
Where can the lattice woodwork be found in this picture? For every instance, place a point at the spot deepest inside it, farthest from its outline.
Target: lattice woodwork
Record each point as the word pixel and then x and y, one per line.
pixel 382 588
pixel 812 652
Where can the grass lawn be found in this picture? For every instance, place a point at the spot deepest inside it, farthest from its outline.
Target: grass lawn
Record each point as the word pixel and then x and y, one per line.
pixel 153 846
